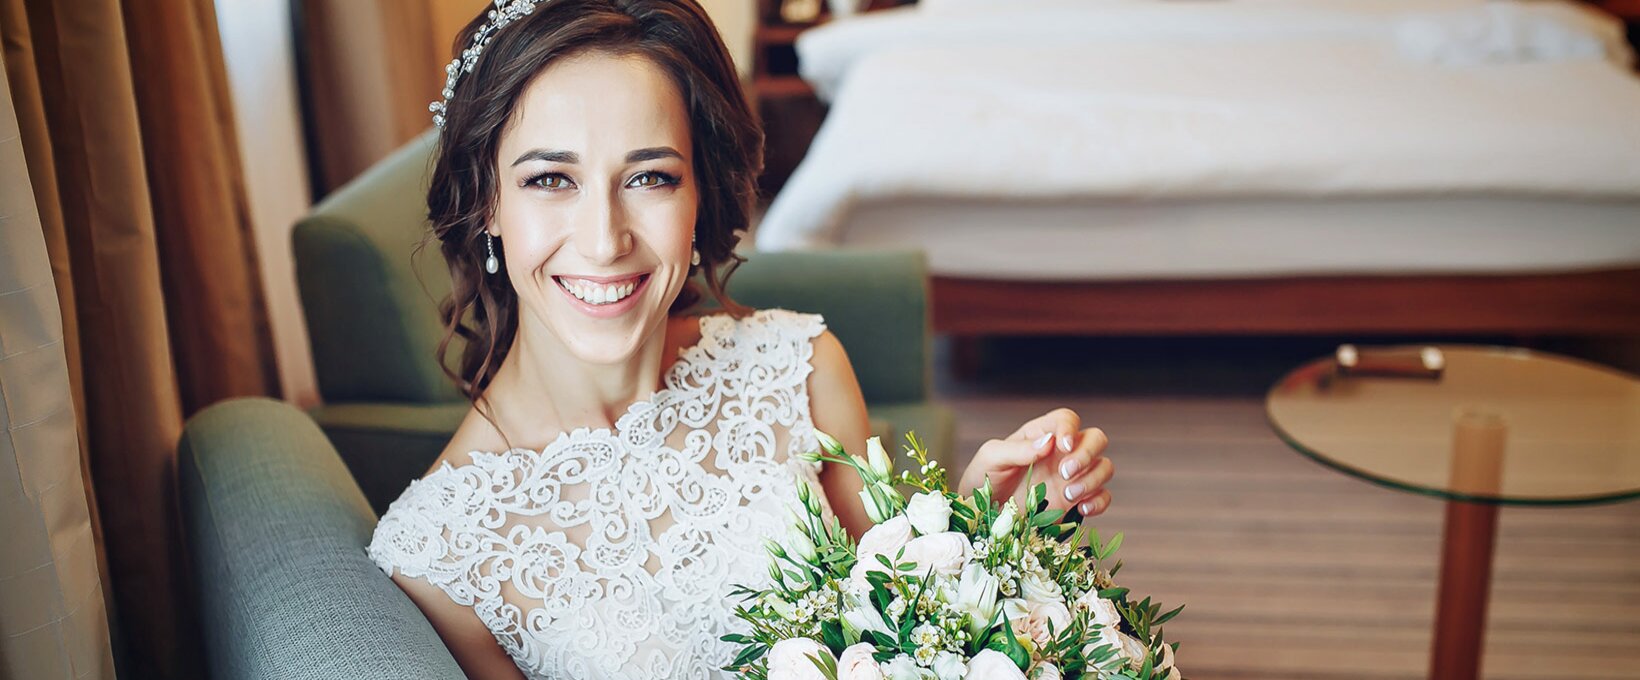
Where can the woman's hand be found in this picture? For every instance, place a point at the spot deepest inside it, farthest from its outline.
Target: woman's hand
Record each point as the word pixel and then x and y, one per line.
pixel 1069 459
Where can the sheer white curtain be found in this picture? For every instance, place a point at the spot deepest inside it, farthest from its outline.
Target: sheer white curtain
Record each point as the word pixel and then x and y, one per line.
pixel 54 623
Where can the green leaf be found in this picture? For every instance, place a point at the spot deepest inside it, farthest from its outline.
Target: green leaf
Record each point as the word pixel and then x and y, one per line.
pixel 827 666
pixel 1110 548
pixel 748 654
pixel 1167 617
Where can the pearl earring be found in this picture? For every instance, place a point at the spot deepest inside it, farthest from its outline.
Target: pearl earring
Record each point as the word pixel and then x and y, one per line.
pixel 491 264
pixel 694 253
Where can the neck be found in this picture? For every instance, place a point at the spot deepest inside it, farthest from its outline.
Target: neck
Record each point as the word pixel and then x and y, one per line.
pixel 542 389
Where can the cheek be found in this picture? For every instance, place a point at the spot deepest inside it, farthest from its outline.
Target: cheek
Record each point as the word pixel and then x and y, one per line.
pixel 530 236
pixel 669 225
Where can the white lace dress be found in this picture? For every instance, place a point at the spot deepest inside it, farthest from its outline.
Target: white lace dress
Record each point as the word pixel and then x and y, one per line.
pixel 611 553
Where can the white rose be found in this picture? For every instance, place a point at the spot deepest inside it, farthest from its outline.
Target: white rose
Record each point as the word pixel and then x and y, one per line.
pixel 977 596
pixel 990 664
pixel 1173 673
pixel 946 552
pixel 1037 586
pixel 856 663
pixel 1104 611
pixel 1035 623
pixel 1165 657
pixel 884 539
pixel 903 667
pixel 1132 648
pixel 929 512
pixel 789 660
pixel 1107 636
pixel 1046 671
pixel 950 666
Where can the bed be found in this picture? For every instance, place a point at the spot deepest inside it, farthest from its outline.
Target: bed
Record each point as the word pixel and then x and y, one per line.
pixel 1233 166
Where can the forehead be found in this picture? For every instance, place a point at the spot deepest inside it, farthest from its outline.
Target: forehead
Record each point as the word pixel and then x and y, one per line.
pixel 598 104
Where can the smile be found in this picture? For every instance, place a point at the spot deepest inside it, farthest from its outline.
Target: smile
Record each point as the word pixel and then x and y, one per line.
pixel 601 291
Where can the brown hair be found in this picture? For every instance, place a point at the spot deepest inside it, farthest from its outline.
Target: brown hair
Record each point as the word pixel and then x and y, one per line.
pixel 674 34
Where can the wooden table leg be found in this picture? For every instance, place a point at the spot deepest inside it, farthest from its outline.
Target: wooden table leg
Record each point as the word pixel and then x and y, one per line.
pixel 1467 548
pixel 1466 582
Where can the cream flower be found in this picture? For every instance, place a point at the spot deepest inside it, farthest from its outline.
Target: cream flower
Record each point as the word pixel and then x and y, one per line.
pixel 856 663
pixel 946 552
pixel 1046 671
pixel 990 664
pixel 950 666
pixel 1037 618
pixel 789 660
pixel 903 667
pixel 929 512
pixel 1038 586
pixel 885 538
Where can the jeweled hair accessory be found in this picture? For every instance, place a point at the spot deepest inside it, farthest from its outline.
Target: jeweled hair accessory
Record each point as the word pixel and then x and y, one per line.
pixel 504 12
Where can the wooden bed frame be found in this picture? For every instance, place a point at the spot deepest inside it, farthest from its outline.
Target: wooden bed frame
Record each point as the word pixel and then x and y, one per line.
pixel 1594 304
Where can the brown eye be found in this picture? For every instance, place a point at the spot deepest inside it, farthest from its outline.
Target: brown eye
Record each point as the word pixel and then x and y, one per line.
pixel 647 180
pixel 552 181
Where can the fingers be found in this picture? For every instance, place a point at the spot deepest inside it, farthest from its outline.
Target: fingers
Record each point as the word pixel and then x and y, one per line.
pixel 1009 453
pixel 1095 506
pixel 1090 445
pixel 1063 423
pixel 1089 484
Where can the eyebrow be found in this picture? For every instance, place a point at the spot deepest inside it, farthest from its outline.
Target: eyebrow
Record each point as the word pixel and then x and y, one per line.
pixel 636 156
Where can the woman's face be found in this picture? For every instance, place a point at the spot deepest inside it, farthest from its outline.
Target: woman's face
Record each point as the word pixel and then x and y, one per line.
pixel 597 202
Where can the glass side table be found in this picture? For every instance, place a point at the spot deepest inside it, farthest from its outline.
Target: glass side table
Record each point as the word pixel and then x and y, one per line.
pixel 1493 426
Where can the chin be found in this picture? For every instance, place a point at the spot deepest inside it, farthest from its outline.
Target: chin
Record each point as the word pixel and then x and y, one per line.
pixel 607 324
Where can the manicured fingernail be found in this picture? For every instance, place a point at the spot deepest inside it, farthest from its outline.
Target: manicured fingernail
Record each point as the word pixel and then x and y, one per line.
pixel 1073 492
pixel 1069 468
pixel 1042 441
pixel 1065 443
pixel 1087 508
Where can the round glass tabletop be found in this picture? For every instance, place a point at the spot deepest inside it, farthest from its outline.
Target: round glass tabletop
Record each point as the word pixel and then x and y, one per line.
pixel 1570 430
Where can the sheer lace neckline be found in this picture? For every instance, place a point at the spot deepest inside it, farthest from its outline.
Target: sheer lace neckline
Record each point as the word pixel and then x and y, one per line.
pixel 666 394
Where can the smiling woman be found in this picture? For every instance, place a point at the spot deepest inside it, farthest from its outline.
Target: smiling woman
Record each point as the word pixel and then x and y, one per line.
pixel 626 457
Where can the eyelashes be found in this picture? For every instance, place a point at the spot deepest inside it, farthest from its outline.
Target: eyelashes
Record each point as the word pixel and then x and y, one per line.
pixel 648 179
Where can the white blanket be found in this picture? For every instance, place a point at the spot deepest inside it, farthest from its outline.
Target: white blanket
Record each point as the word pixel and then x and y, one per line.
pixel 1139 120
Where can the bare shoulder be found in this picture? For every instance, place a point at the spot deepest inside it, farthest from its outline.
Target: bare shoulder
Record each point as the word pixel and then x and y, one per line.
pixel 475 433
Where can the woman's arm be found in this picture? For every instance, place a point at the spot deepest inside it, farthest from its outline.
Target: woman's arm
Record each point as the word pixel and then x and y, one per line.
pixel 839 409
pixel 469 640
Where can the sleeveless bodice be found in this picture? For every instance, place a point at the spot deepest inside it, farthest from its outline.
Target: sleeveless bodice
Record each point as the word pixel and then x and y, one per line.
pixel 611 553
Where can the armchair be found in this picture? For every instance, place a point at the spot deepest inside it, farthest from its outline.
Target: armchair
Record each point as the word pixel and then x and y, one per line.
pixel 370 298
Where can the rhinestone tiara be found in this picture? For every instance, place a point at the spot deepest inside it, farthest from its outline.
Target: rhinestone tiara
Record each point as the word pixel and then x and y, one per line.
pixel 505 12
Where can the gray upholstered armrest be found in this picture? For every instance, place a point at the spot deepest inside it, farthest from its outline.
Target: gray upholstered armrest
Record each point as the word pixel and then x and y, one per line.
pixel 277 529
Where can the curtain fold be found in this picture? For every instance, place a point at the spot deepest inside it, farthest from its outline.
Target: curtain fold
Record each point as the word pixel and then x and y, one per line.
pixel 56 623
pixel 124 121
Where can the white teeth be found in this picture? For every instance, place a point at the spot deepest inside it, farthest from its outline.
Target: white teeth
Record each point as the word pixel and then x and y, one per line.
pixel 598 295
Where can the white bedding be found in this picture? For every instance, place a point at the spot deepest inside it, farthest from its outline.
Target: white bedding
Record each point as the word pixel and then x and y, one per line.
pixel 1301 115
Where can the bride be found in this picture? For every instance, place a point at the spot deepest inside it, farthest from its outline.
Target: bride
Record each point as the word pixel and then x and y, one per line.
pixel 625 457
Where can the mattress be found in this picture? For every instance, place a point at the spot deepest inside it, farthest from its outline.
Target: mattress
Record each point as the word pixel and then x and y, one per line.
pixel 1294 153
pixel 1091 240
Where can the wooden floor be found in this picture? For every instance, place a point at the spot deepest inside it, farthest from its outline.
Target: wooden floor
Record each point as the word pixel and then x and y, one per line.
pixel 1290 569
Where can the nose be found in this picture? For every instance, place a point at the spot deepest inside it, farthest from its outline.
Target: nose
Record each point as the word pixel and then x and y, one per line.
pixel 602 234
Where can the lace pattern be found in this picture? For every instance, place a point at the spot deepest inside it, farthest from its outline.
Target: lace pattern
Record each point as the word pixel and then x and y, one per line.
pixel 610 553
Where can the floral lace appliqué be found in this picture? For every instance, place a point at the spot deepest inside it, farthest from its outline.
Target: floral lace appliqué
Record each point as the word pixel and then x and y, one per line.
pixel 611 552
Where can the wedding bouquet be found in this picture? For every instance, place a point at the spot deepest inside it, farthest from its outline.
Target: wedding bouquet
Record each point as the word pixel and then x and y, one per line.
pixel 944 587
